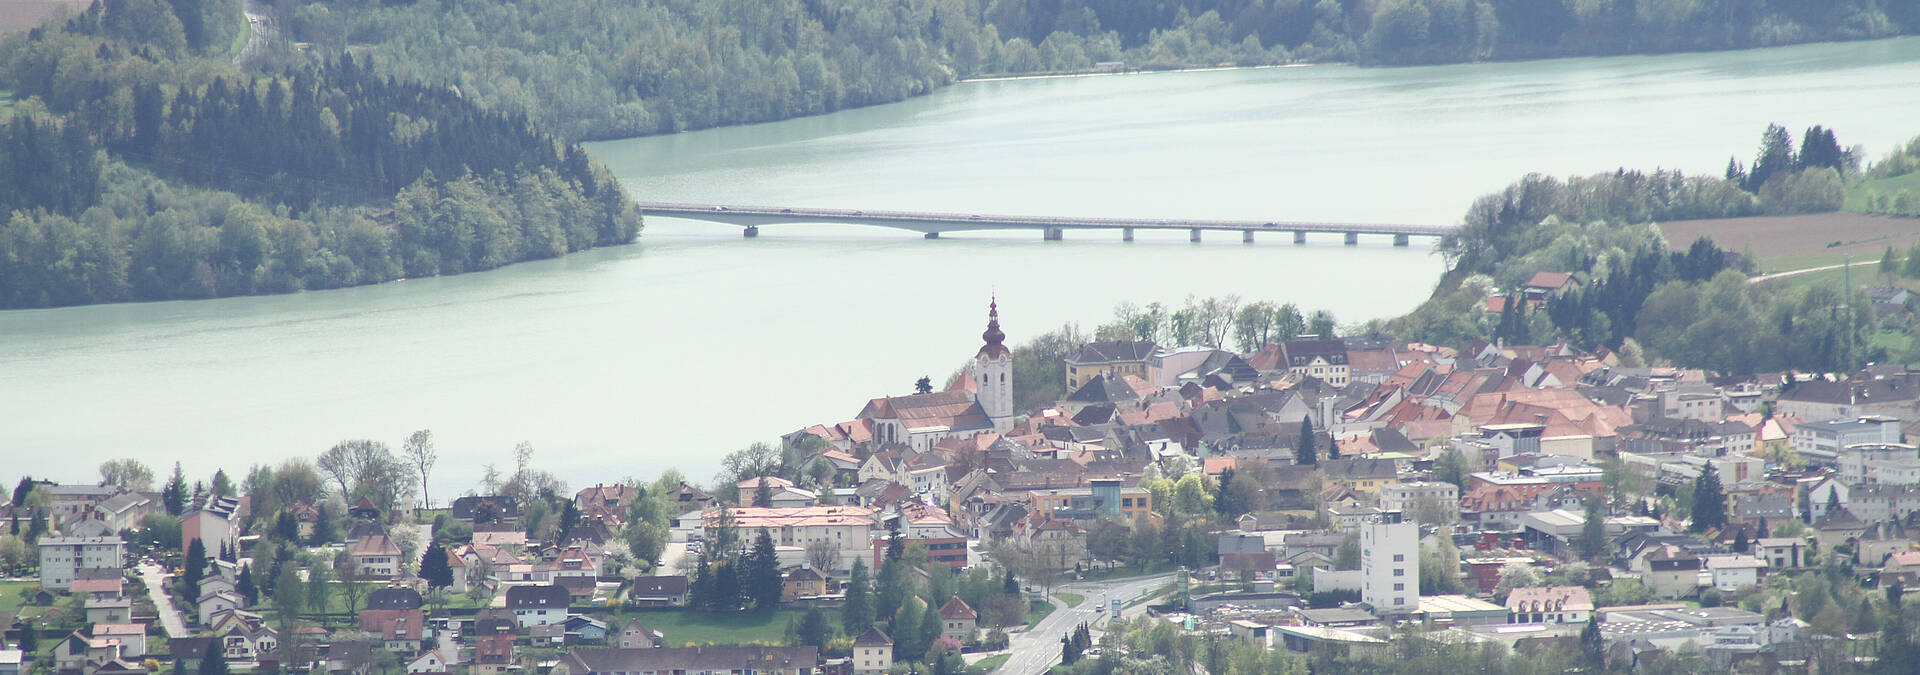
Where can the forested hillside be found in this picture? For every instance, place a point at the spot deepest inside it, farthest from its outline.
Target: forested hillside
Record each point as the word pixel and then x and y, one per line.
pixel 1692 308
pixel 143 166
pixel 591 69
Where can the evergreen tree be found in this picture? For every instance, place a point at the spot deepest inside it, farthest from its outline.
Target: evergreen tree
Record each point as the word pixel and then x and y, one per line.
pixel 889 591
pixel 1305 450
pixel 896 544
pixel 569 517
pixel 1593 647
pixel 763 495
pixel 1894 591
pixel 434 567
pixel 1761 532
pixel 1010 586
pixel 1593 533
pixel 1709 501
pixel 287 528
pixel 856 616
pixel 322 527
pixel 37 526
pixel 29 637
pixel 195 570
pixel 907 633
pixel 763 572
pixel 1740 543
pixel 21 490
pixel 174 495
pixel 214 662
pixel 813 628
pixel 244 585
pixel 1888 266
pixel 1912 266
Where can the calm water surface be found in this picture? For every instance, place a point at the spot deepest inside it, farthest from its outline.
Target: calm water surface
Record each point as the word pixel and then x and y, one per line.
pixel 695 341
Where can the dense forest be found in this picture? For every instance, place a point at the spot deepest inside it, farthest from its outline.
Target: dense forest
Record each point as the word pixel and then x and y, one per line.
pixel 143 166
pixel 594 69
pixel 1693 308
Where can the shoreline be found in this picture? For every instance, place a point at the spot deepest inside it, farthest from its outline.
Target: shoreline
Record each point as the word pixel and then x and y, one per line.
pixel 1133 71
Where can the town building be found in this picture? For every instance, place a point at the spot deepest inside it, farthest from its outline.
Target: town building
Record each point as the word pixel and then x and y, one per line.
pixel 1390 565
pixel 62 558
pixel 1139 358
pixel 872 653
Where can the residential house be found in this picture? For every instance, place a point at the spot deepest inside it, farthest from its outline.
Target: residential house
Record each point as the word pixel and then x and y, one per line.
pixel 1731 573
pixel 132 637
pixel 1325 360
pixel 802 582
pixel 1364 475
pixel 212 606
pixel 1669 571
pixel 758 659
pixel 493 644
pixel 1114 359
pixel 872 653
pixel 428 661
pixel 1781 552
pixel 122 511
pixel 1544 285
pixel 635 636
pixel 486 509
pixel 658 591
pixel 375 556
pixel 958 620
pixel 394 616
pixel 538 605
pixel 606 501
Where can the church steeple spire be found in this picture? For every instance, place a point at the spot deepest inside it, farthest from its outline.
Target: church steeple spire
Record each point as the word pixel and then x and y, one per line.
pixel 995 347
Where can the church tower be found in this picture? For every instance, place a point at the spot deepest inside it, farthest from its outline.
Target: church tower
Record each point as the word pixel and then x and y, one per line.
pixel 993 372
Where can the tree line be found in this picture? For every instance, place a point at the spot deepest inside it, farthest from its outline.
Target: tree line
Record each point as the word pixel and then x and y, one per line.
pixel 606 69
pixel 138 171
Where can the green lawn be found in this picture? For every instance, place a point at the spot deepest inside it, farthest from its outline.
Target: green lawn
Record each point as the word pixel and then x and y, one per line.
pixel 240 39
pixel 987 665
pixel 1857 197
pixel 1038 610
pixel 1072 599
pixel 685 628
pixel 10 596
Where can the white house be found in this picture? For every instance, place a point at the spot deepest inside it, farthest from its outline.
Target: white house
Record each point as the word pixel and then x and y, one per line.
pixel 538 605
pixel 1734 572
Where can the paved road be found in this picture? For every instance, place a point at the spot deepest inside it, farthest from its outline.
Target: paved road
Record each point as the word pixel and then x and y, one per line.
pixel 1036 650
pixel 170 619
pixel 258 30
pixel 1794 273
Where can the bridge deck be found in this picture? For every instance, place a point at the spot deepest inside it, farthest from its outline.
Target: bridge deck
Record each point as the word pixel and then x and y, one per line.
pixel 928 221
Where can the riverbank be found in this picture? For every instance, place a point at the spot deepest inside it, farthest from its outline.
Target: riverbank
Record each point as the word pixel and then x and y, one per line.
pixel 1099 72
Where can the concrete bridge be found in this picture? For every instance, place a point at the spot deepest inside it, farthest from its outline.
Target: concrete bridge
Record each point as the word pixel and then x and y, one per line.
pixel 1052 228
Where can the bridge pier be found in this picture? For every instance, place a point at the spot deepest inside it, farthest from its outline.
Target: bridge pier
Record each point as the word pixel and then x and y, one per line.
pixel 751 231
pixel 1052 233
pixel 931 235
pixel 1126 234
pixel 1353 238
pixel 1299 236
pixel 1246 236
pixel 1193 235
pixel 1400 240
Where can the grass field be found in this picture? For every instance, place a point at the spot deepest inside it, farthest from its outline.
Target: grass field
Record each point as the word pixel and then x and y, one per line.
pixel 1797 242
pixel 987 665
pixel 687 628
pixel 10 597
pixel 1857 197
pixel 1072 599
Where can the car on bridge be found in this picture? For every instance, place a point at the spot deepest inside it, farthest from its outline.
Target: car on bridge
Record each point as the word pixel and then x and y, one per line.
pixel 719 208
